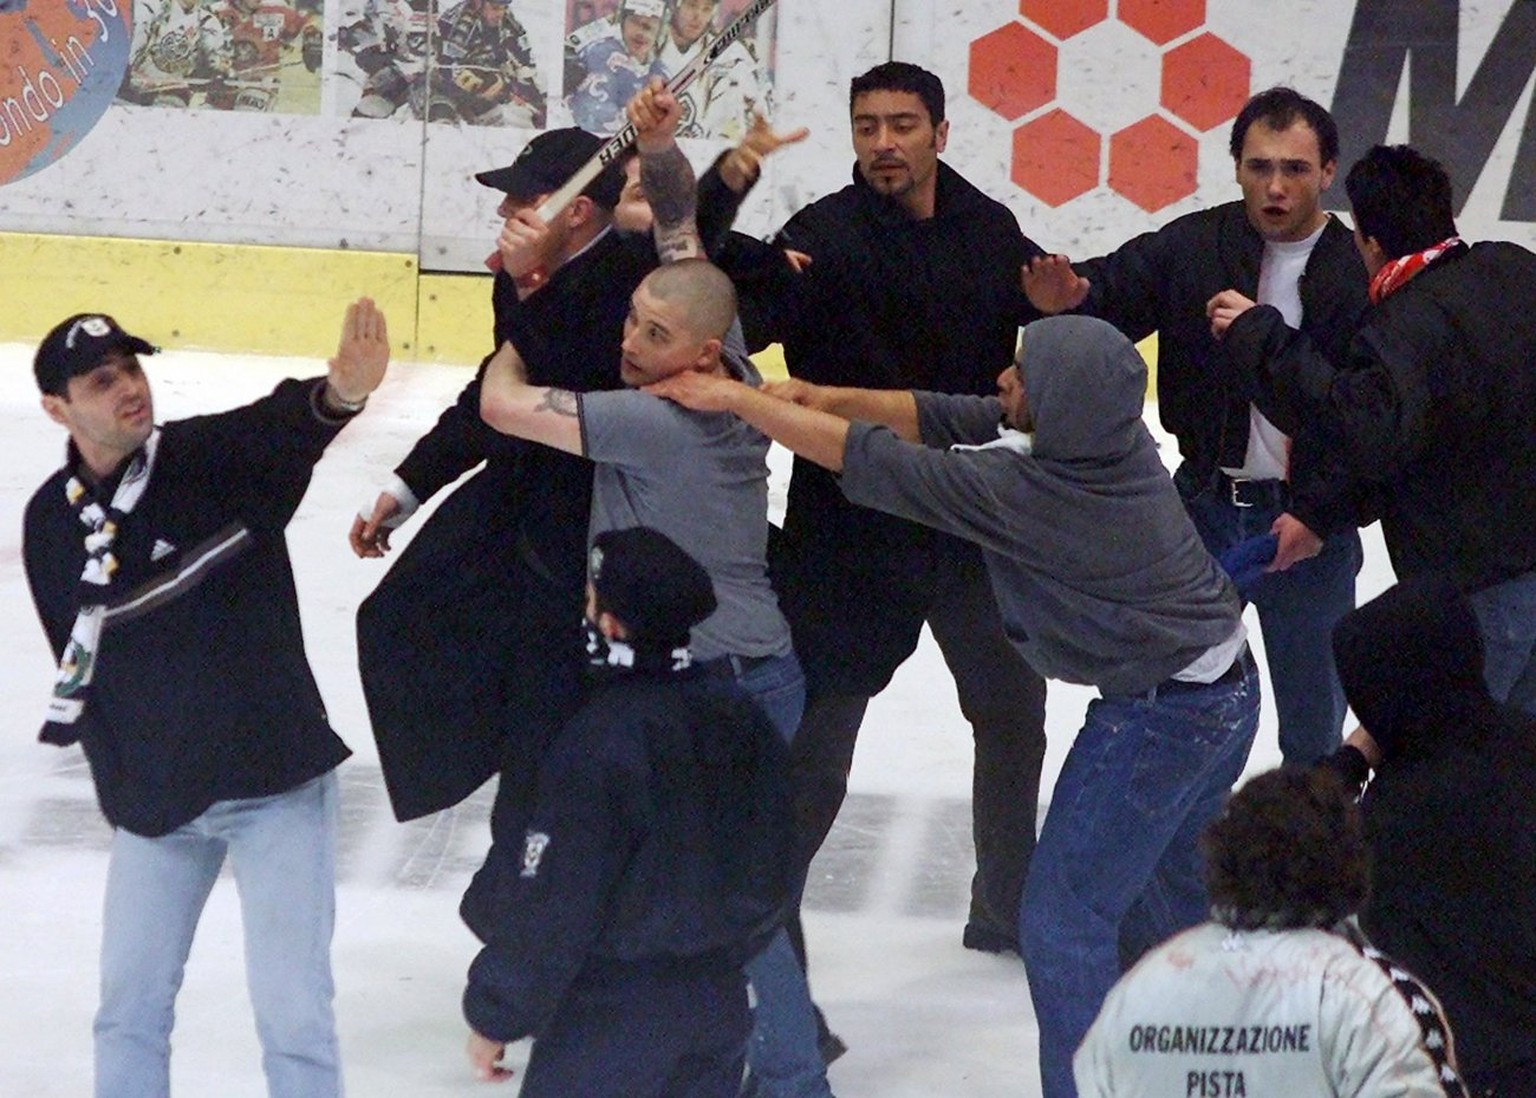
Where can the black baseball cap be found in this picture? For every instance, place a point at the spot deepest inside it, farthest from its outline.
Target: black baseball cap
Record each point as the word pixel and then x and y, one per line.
pixel 77 345
pixel 645 580
pixel 549 160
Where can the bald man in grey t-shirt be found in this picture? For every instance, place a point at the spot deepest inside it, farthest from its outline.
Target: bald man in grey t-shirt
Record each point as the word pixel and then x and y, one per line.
pixel 702 479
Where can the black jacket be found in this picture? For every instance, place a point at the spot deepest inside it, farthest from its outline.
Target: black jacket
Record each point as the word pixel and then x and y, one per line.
pixel 1431 414
pixel 1160 282
pixel 206 696
pixel 473 633
pixel 888 302
pixel 569 334
pixel 1451 818
pixel 661 837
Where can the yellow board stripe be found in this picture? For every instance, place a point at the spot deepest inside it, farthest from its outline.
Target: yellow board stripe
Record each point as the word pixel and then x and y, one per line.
pixel 256 299
pixel 220 297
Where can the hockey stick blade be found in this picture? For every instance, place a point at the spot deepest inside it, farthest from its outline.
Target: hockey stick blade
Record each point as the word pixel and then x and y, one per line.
pixel 614 147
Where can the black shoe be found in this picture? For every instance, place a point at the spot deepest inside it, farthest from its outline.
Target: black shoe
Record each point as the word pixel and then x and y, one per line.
pixel 831 1047
pixel 829 1044
pixel 987 939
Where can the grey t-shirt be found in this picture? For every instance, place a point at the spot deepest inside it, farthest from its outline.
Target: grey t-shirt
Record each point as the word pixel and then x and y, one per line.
pixel 702 479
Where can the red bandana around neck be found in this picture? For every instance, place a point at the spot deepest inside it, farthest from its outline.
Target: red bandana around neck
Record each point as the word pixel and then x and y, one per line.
pixel 1395 273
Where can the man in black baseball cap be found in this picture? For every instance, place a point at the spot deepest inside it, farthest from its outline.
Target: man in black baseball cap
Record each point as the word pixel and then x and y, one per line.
pixel 543 167
pixel 77 346
pixel 547 162
pixel 157 563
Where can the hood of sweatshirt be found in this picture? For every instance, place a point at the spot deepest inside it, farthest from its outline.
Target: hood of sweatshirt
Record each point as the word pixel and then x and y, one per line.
pixel 1085 383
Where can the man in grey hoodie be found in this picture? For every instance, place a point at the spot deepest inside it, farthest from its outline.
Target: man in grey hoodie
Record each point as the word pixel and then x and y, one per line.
pixel 1101 580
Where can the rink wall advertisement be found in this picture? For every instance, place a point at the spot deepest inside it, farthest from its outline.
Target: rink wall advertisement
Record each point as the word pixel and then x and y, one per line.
pixel 357 124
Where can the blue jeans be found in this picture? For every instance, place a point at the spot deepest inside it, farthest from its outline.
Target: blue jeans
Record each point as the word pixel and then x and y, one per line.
pixel 282 849
pixel 1506 617
pixel 783 1052
pixel 1298 609
pixel 1117 854
pixel 777 684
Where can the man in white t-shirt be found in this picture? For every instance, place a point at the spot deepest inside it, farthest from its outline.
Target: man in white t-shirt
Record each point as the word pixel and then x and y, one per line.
pixel 1247 470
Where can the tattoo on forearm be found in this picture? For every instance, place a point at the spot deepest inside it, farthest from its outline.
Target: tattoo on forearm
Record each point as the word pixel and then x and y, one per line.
pixel 669 184
pixel 681 242
pixel 560 401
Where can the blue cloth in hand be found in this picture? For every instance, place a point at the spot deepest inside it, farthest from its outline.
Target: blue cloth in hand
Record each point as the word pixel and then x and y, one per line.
pixel 1245 562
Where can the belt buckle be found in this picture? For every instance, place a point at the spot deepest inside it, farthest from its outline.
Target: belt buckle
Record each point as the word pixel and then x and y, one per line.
pixel 1233 487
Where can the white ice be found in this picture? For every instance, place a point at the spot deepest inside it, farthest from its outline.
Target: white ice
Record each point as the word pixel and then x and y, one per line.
pixel 922 1016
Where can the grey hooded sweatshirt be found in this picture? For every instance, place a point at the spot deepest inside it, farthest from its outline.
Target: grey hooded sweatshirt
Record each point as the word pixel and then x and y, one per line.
pixel 1098 571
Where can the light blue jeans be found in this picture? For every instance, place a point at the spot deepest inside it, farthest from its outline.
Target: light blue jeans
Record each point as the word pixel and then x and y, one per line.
pixel 783 1052
pixel 1506 617
pixel 1117 857
pixel 283 852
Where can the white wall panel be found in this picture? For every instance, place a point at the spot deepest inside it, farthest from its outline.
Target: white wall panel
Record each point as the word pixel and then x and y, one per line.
pixel 332 181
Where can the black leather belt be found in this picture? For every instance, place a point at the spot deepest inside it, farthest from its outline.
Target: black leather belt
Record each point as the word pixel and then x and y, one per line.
pixel 1244 492
pixel 1231 676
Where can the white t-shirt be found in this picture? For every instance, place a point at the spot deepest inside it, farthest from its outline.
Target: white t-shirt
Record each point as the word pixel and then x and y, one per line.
pixel 1269 450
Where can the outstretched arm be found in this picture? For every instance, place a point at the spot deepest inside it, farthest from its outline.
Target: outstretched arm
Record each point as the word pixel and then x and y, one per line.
pixel 535 412
pixel 1052 286
pixel 740 167
pixel 813 434
pixel 893 408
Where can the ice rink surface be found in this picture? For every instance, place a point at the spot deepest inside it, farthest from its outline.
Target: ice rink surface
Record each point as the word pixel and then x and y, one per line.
pixel 884 909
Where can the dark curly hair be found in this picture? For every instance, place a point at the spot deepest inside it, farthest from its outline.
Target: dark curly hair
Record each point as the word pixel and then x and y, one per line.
pixel 1288 850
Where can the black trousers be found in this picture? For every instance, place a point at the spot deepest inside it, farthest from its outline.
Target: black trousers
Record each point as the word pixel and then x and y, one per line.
pixel 1003 699
pixel 644 1035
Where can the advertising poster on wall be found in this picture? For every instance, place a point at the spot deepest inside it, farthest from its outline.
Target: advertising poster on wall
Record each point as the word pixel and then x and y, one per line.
pixel 233 55
pixel 62 64
pixel 612 48
pixel 468 62
pixel 360 123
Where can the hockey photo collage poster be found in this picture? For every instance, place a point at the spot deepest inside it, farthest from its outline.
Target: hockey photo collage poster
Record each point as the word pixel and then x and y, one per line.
pixel 359 124
pixel 469 62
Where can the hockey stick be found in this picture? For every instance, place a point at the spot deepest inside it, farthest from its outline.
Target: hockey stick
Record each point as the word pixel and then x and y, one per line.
pixel 614 147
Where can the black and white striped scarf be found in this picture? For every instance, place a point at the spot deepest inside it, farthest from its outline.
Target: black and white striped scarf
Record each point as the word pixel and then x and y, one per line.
pixel 77 663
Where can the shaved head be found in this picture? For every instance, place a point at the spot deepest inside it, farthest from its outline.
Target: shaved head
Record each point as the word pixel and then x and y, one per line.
pixel 701 289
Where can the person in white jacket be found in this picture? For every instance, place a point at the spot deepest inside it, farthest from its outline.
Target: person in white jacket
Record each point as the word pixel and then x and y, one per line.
pixel 1277 995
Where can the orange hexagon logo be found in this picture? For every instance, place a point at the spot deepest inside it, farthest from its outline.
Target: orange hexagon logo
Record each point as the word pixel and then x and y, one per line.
pixel 1013 71
pixel 1153 163
pixel 1205 81
pixel 1173 81
pixel 1056 158
pixel 1162 20
pixel 1064 18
